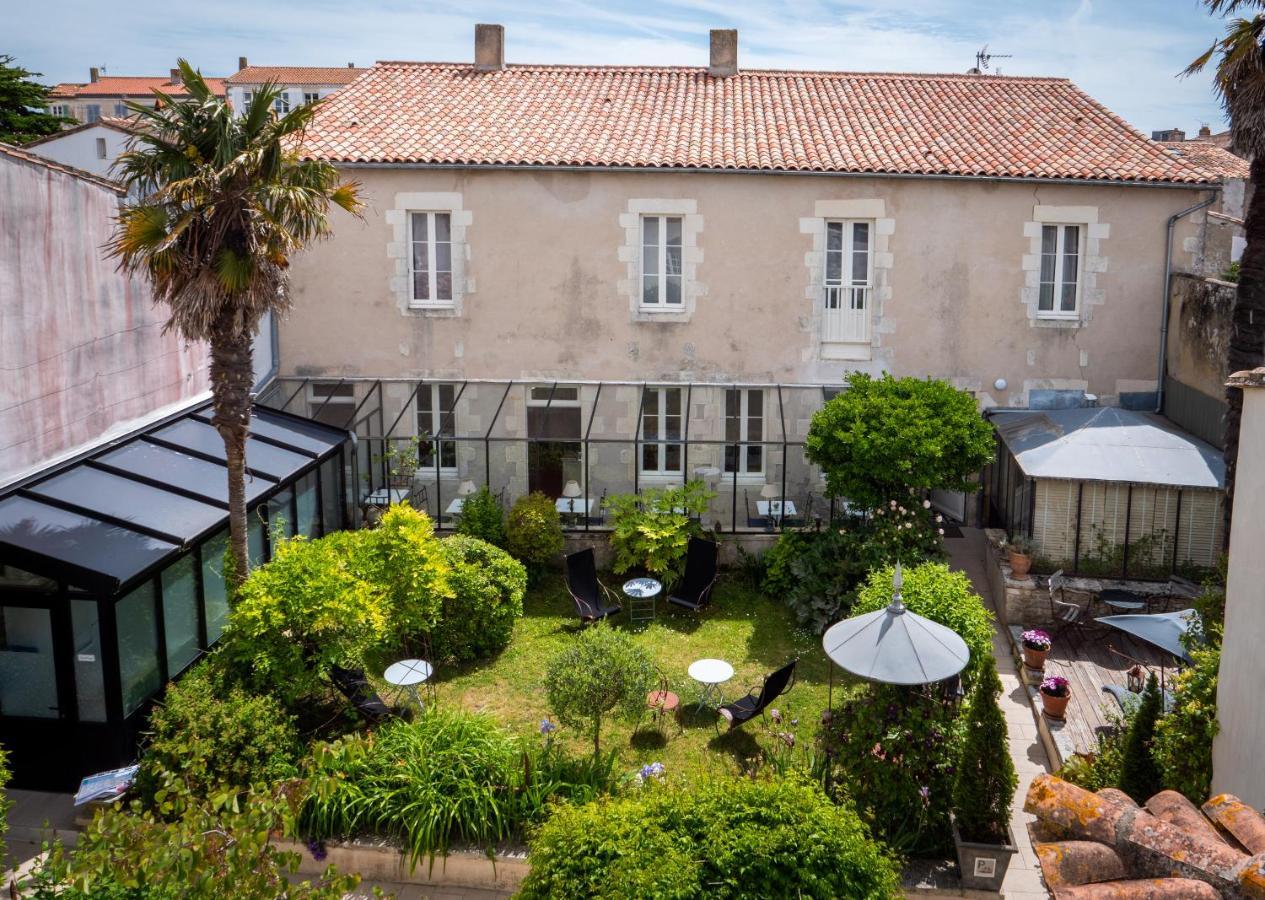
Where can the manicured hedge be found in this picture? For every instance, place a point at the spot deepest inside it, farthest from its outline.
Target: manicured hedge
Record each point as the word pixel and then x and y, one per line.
pixel 487 587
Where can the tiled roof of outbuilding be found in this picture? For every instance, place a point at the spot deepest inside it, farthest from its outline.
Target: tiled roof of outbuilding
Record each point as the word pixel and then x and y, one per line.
pixel 296 75
pixel 678 117
pixel 129 86
pixel 1211 158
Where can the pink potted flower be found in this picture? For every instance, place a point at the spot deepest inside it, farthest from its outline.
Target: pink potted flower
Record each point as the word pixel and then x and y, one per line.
pixel 1036 646
pixel 1055 694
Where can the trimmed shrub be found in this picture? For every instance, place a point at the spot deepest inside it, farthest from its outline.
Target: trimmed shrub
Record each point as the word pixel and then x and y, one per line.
pixel 603 671
pixel 483 517
pixel 450 776
pixel 986 778
pixel 1140 775
pixel 533 533
pixel 487 587
pixel 885 437
pixel 211 739
pixel 652 530
pixel 731 837
pixel 1184 735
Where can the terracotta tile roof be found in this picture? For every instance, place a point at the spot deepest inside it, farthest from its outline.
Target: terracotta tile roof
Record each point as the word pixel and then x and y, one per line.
pixel 129 86
pixel 1212 158
pixel 20 155
pixel 296 75
pixel 1103 846
pixel 756 120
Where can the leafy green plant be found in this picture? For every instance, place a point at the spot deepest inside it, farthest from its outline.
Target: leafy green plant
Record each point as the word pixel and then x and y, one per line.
pixel 209 738
pixel 985 779
pixel 450 776
pixel 483 517
pixel 602 671
pixel 652 530
pixel 1101 768
pixel 487 587
pixel 533 533
pixel 1140 775
pixel 883 437
pixel 5 803
pixel 333 601
pixel 1184 735
pixel 731 837
pixel 211 851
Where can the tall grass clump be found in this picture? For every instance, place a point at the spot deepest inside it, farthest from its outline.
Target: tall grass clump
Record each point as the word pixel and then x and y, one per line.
pixel 451 776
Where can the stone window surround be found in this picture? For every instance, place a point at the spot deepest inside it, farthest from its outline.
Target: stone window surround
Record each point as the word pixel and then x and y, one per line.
pixel 874 209
pixel 400 282
pixel 1093 263
pixel 629 287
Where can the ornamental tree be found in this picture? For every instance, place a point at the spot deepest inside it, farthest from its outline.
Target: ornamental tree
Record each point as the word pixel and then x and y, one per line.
pixel 601 672
pixel 985 780
pixel 883 438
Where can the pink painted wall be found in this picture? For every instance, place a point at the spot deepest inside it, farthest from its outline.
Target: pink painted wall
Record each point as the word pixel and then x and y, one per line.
pixel 82 353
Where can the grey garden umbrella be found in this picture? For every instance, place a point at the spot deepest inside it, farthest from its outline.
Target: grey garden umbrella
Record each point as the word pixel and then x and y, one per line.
pixel 896 646
pixel 1163 630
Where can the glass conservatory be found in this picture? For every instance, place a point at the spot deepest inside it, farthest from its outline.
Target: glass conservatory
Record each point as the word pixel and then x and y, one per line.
pixel 112 576
pixel 433 442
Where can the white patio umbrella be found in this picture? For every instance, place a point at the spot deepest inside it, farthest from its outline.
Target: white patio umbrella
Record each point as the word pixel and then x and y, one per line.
pixel 895 646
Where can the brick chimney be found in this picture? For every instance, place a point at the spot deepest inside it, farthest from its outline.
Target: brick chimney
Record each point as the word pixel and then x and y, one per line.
pixel 724 59
pixel 351 65
pixel 94 74
pixel 1205 131
pixel 241 63
pixel 175 76
pixel 489 47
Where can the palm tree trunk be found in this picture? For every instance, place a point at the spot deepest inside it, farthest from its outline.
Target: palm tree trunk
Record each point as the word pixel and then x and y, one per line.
pixel 1247 335
pixel 232 377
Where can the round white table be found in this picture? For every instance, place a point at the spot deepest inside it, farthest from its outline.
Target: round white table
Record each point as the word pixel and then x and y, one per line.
pixel 641 593
pixel 408 674
pixel 711 674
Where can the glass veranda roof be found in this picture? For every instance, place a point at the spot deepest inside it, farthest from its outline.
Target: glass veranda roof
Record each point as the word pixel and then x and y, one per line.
pixel 104 519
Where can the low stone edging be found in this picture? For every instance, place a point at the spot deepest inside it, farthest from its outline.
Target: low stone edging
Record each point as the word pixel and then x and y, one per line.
pixel 377 862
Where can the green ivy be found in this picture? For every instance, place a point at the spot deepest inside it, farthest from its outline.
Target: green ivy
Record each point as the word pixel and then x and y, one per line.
pixel 487 587
pixel 883 437
pixel 721 838
pixel 483 517
pixel 652 530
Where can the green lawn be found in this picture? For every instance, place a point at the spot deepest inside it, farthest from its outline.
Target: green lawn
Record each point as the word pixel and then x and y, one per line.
pixel 755 634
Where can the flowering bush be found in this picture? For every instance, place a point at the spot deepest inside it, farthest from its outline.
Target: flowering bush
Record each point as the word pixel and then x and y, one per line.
pixel 652 772
pixel 1036 639
pixel 1055 686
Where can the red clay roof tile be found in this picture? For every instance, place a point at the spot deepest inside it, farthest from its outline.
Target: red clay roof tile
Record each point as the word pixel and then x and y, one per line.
pixel 296 75
pixel 129 86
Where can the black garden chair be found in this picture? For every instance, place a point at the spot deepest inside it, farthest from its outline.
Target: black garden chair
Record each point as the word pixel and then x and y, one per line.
pixel 593 600
pixel 757 700
pixel 353 685
pixel 695 590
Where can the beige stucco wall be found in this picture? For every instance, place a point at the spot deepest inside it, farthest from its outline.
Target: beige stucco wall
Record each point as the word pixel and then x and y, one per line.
pixel 81 344
pixel 1237 751
pixel 543 261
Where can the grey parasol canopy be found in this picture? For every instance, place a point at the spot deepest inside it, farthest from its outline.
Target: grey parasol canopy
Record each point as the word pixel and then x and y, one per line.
pixel 1163 630
pixel 896 646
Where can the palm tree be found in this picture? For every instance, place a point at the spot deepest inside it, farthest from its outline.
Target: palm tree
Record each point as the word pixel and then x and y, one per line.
pixel 225 201
pixel 1240 84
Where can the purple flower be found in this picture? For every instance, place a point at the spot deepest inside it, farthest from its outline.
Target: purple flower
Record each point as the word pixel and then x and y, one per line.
pixel 925 793
pixel 1035 639
pixel 547 728
pixel 1055 686
pixel 317 849
pixel 775 715
pixel 653 770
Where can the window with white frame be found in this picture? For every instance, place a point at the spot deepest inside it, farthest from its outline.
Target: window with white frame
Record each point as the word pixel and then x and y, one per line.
pixel 430 258
pixel 661 450
pixel 310 97
pixel 1060 271
pixel 661 269
pixel 436 416
pixel 59 109
pixel 848 279
pixel 331 402
pixel 248 97
pixel 744 422
pixel 281 105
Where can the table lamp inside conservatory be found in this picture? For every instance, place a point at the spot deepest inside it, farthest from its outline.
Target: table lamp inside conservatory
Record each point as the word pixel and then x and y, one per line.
pixel 571 490
pixel 466 488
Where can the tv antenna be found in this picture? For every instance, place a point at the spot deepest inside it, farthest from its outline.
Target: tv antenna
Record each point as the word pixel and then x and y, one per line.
pixel 983 58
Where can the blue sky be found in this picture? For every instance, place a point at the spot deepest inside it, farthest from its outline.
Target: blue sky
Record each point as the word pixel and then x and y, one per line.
pixel 1124 52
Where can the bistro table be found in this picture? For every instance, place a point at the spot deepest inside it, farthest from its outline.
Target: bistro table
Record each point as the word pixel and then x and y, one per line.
pixel 776 509
pixel 1121 600
pixel 456 506
pixel 408 674
pixel 641 593
pixel 711 674
pixel 386 496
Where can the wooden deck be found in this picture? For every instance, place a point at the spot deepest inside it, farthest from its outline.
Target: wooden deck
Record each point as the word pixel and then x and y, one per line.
pixel 1087 662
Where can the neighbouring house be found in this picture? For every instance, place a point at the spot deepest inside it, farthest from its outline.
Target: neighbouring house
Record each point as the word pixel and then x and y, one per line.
pixel 300 84
pixel 1237 750
pixel 629 275
pixel 90 147
pixel 109 95
pixel 113 488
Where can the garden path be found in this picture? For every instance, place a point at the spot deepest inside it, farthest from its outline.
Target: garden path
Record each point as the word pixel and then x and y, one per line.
pixel 1023 879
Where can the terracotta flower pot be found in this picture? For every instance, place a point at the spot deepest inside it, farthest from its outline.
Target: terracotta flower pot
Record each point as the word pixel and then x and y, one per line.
pixel 1020 563
pixel 1055 707
pixel 1035 659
